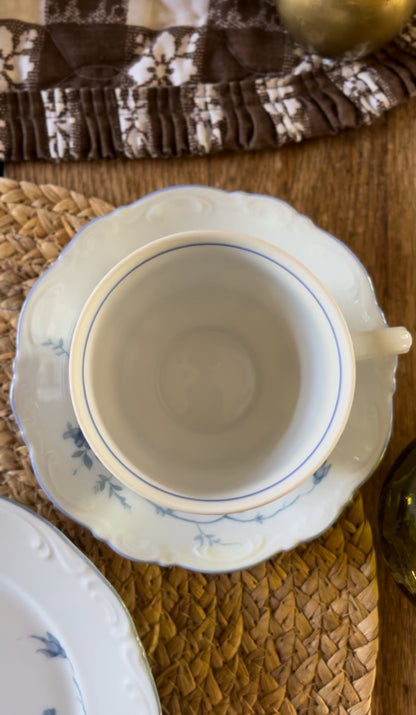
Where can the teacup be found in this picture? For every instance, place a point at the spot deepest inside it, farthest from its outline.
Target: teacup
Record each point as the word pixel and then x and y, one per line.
pixel 212 372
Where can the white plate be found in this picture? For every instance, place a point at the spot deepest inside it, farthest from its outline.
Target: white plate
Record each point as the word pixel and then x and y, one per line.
pixel 67 644
pixel 65 466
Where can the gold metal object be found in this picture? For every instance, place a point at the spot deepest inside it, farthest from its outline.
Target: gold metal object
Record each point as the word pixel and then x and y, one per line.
pixel 337 27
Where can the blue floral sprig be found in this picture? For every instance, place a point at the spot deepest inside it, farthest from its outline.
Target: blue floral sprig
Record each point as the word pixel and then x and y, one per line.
pixel 83 451
pixel 210 539
pixel 52 647
pixel 321 473
pixel 204 539
pixel 57 347
pixel 114 490
pixel 163 510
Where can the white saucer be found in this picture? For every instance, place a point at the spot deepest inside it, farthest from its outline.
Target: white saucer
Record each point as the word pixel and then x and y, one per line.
pixel 65 634
pixel 76 481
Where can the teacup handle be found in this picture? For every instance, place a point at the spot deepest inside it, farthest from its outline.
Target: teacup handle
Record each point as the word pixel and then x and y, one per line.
pixel 381 342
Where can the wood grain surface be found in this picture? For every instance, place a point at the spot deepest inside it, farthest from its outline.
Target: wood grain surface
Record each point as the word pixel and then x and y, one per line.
pixel 361 187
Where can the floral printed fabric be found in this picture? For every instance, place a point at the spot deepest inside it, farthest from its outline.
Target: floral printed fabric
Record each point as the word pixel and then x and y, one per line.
pixel 16 64
pixel 164 60
pixel 127 78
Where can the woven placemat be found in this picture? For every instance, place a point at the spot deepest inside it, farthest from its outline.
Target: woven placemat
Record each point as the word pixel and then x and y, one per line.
pixel 294 635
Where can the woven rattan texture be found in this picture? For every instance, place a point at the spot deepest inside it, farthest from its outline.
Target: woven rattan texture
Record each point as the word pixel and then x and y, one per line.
pixel 296 634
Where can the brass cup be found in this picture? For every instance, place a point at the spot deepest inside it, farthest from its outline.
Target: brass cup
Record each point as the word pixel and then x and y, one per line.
pixel 333 28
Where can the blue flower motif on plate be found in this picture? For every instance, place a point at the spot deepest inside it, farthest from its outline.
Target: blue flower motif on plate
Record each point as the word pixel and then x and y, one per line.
pixel 52 648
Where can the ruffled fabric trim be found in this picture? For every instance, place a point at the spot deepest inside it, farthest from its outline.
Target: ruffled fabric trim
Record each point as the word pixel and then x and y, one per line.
pixel 313 97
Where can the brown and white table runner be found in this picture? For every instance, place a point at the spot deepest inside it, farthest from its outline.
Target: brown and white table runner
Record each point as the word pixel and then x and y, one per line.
pixel 133 78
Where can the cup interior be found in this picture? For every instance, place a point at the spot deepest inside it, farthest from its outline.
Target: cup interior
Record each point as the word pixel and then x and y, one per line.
pixel 211 370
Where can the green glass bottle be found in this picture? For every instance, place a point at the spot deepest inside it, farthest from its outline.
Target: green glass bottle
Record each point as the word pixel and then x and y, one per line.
pixel 397 520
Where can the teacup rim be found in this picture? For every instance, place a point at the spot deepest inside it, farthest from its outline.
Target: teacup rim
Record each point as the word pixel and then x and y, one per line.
pixel 130 476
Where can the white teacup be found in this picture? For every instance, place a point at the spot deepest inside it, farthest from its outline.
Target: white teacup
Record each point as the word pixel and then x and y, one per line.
pixel 212 372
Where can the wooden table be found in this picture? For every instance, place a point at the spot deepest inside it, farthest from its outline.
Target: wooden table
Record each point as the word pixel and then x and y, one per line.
pixel 361 187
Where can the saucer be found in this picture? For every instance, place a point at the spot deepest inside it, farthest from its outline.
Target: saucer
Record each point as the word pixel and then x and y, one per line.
pixel 64 464
pixel 65 634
